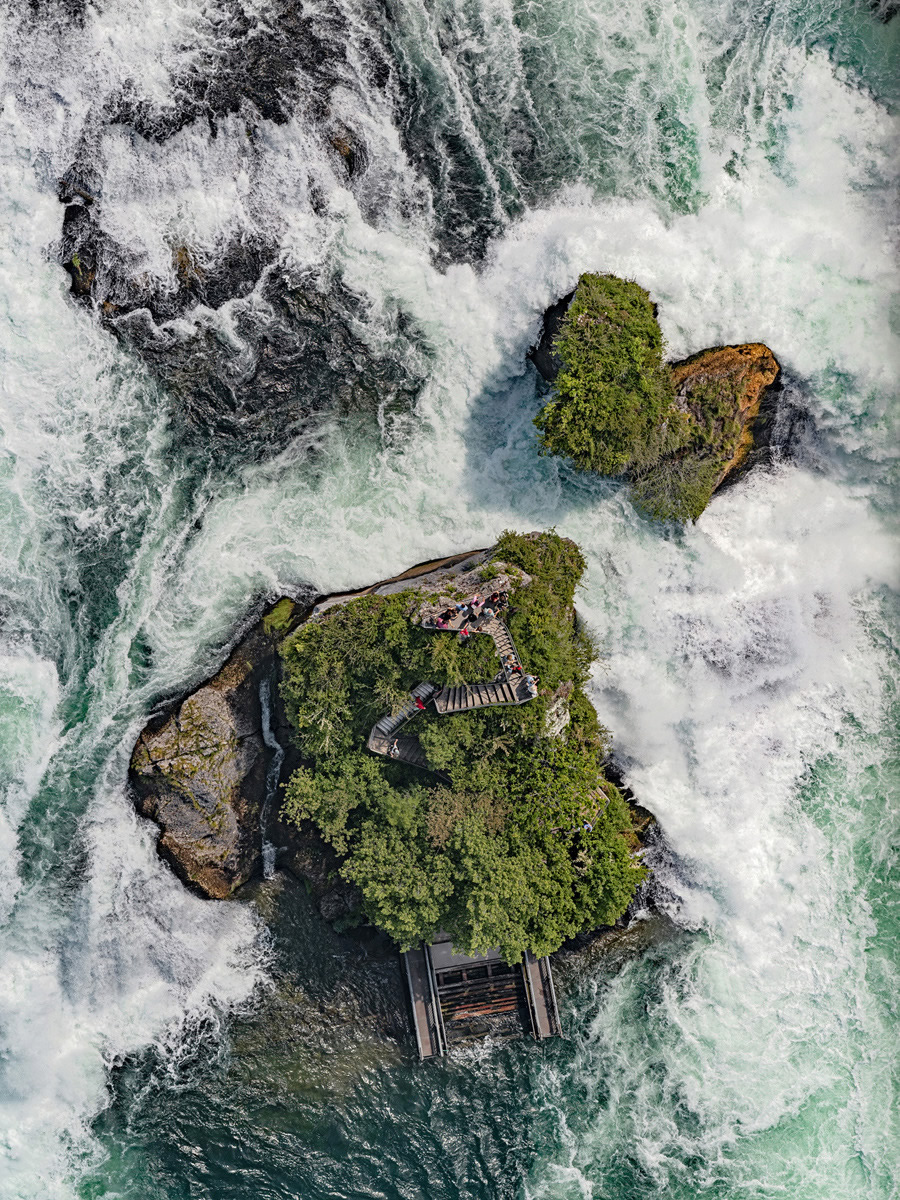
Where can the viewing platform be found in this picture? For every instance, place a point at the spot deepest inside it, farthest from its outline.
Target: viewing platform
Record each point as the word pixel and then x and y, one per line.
pixel 459 998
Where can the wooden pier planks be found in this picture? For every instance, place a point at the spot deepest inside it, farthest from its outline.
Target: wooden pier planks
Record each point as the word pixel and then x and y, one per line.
pixel 541 996
pixel 426 1011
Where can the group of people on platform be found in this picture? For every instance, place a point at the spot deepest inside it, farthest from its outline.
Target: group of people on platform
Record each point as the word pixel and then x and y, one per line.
pixel 476 609
pixel 513 669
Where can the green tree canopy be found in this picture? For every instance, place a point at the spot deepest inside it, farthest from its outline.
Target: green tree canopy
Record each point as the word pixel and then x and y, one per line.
pixel 520 842
pixel 614 407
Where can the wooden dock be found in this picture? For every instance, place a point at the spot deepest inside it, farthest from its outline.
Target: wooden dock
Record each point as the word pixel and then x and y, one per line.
pixel 426 1010
pixel 459 998
pixel 541 996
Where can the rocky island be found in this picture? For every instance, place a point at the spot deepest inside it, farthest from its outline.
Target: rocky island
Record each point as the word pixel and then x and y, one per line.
pixel 507 834
pixel 675 431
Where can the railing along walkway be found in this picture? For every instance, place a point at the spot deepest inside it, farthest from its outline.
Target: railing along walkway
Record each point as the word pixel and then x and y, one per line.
pixel 509 687
pixel 387 725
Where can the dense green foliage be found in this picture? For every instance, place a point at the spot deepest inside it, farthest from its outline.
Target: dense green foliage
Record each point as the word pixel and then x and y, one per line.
pixel 614 408
pixel 679 486
pixel 614 390
pixel 493 849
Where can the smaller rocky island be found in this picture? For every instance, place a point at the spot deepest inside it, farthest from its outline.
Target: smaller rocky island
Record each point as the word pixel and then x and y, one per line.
pixel 675 431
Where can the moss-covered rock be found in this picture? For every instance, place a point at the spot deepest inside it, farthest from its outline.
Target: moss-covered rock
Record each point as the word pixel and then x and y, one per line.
pixel 742 373
pixel 718 394
pixel 675 431
pixel 613 393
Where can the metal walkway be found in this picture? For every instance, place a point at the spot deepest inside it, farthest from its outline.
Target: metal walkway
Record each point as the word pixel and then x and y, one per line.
pixel 402 749
pixel 509 687
pixel 460 998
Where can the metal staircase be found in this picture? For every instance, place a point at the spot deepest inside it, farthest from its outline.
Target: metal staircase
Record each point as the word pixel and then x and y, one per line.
pixel 389 724
pixel 508 687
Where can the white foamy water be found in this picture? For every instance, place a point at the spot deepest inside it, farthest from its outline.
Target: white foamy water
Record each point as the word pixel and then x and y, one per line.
pixel 747 660
pixel 761 671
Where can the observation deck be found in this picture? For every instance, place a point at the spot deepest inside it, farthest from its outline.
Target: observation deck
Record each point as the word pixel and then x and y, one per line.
pixel 461 998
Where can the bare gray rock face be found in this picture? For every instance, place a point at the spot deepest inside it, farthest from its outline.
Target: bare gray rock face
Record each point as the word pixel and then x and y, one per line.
pixel 199 770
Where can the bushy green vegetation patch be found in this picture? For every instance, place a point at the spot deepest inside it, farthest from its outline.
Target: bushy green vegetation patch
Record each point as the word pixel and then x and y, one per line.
pixel 519 842
pixel 278 620
pixel 614 389
pixel 614 409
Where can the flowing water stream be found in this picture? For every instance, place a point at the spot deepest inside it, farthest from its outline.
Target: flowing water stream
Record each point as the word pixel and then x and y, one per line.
pixel 273 773
pixel 423 180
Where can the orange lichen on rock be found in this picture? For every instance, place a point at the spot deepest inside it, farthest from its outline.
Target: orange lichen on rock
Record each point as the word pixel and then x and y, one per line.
pixel 746 370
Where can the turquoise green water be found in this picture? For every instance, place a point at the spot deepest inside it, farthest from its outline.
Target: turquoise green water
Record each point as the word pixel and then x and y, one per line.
pixel 740 161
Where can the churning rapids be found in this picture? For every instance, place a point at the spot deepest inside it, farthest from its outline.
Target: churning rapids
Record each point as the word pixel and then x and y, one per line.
pixel 416 182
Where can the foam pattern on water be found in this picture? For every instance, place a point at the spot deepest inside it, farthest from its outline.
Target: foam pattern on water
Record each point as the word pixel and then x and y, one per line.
pixel 751 1062
pixel 747 659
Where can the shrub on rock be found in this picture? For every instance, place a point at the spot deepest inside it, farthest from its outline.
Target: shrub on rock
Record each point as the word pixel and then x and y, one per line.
pixel 618 408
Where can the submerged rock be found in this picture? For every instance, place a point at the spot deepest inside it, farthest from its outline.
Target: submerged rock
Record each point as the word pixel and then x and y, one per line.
pixel 249 350
pixel 885 10
pixel 252 339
